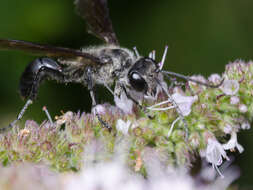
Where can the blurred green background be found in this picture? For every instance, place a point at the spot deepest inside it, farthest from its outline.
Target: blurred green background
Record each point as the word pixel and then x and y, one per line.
pixel 202 36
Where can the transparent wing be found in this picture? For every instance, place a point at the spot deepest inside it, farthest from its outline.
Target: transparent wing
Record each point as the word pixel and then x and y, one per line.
pixel 45 50
pixel 96 14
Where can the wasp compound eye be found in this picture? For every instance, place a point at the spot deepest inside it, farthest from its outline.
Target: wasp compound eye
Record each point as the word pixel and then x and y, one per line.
pixel 137 82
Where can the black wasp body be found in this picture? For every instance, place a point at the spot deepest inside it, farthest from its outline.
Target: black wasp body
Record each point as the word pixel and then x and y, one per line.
pixel 109 65
pixel 133 75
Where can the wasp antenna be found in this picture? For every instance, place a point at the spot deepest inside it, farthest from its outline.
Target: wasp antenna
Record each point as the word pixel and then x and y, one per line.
pixel 167 73
pixel 163 58
pixel 136 51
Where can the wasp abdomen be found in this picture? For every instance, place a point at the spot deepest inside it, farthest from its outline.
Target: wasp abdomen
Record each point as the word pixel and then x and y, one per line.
pixel 35 73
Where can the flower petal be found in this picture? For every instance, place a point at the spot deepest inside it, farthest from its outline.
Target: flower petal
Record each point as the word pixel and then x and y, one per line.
pixel 184 102
pixel 230 87
pixel 124 103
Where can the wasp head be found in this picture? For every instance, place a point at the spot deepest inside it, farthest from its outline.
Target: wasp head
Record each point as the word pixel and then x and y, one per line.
pixel 144 75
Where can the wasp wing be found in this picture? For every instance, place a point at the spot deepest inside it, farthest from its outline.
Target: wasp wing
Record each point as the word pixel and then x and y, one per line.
pixel 45 50
pixel 96 14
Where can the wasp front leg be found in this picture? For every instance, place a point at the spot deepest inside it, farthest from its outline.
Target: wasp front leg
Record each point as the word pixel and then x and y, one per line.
pixel 125 100
pixel 37 71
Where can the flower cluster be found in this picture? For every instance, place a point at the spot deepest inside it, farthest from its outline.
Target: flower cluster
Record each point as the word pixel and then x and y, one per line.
pixel 186 121
pixel 114 174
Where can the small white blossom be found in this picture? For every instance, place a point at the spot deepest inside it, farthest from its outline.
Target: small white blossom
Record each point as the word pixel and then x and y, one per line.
pixel 230 87
pixel 243 108
pixel 64 118
pixel 234 100
pixel 215 78
pixel 215 153
pixel 184 103
pixel 200 126
pixel 98 109
pixel 245 125
pixel 123 126
pixel 124 103
pixel 198 78
pixel 232 143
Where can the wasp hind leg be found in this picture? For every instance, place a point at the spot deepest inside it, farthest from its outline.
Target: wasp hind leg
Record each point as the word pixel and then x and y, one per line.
pixel 37 71
pixel 90 84
pixel 94 104
pixel 20 115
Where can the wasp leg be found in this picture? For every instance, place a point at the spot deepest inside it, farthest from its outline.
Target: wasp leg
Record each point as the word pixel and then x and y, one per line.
pixel 130 97
pixel 37 71
pixel 92 95
pixel 20 115
pixel 94 104
pixel 181 116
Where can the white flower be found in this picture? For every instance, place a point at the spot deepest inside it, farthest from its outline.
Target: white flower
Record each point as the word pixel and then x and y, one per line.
pixel 67 117
pixel 184 103
pixel 245 125
pixel 197 78
pixel 230 87
pixel 215 153
pixel 232 143
pixel 243 108
pixel 234 100
pixel 98 109
pixel 123 126
pixel 124 103
pixel 215 78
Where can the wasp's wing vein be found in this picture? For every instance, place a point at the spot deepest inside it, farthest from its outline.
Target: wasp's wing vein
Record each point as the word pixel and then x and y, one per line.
pixel 96 14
